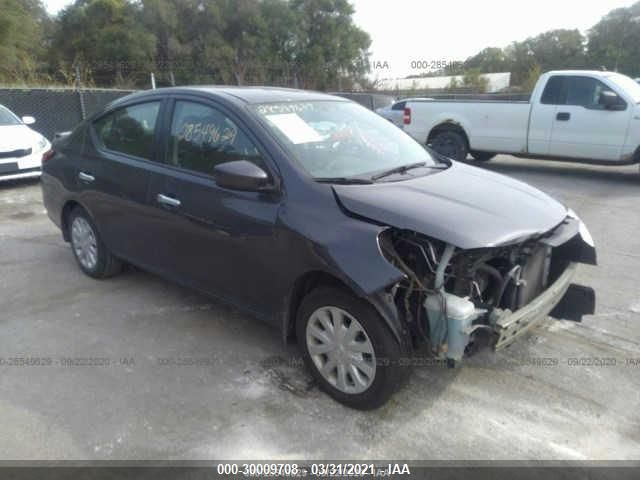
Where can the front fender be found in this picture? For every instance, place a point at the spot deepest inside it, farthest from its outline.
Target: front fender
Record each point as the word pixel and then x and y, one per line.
pixel 362 266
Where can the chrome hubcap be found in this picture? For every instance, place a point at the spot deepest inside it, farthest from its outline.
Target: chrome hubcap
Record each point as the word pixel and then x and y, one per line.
pixel 341 350
pixel 84 243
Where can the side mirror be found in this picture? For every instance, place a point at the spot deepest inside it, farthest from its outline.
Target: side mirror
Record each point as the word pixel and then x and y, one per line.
pixel 611 101
pixel 241 175
pixel 28 120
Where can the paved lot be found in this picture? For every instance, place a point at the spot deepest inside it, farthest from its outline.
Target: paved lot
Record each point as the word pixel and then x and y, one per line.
pixel 190 379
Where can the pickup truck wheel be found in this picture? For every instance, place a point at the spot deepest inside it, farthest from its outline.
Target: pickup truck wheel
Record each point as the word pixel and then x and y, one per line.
pixel 482 156
pixel 450 144
pixel 348 349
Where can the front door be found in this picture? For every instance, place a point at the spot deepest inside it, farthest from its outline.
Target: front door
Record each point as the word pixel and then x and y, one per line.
pixel 584 128
pixel 217 240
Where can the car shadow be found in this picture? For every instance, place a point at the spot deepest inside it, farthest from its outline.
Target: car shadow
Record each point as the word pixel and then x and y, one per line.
pixel 18 182
pixel 283 367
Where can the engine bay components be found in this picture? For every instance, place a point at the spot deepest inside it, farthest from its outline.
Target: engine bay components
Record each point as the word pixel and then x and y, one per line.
pixel 451 322
pixel 450 294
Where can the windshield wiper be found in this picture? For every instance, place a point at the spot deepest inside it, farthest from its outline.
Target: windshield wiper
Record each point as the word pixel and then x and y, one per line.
pixel 400 169
pixel 344 180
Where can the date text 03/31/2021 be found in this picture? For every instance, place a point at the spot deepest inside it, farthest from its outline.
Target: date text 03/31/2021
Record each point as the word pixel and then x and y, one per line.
pixel 314 469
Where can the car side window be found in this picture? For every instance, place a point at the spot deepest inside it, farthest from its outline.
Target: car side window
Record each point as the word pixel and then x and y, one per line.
pixel 555 91
pixel 129 130
pixel 585 92
pixel 203 137
pixel 398 106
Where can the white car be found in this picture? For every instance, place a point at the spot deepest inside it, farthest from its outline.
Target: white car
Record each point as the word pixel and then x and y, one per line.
pixel 21 148
pixel 584 116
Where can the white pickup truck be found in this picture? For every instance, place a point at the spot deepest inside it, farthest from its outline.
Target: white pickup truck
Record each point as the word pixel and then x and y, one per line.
pixel 585 116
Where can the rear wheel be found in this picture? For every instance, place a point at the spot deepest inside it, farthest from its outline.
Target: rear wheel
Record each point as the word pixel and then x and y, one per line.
pixel 349 350
pixel 451 144
pixel 90 252
pixel 482 156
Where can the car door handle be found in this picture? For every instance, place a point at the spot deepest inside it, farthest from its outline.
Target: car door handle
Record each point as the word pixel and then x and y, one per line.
pixel 85 177
pixel 563 116
pixel 165 200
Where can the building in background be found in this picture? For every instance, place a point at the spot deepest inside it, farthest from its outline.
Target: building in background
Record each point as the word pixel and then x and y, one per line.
pixel 497 82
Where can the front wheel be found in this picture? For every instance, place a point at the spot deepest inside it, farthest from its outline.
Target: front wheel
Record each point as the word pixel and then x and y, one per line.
pixel 451 144
pixel 349 350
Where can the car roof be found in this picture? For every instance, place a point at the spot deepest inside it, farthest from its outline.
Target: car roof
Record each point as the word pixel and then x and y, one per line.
pixel 594 73
pixel 248 95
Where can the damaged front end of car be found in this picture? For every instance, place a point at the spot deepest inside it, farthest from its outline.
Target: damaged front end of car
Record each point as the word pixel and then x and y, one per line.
pixel 458 299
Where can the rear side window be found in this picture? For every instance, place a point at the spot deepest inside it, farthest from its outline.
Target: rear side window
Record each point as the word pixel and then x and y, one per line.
pixel 398 106
pixel 203 137
pixel 555 91
pixel 129 130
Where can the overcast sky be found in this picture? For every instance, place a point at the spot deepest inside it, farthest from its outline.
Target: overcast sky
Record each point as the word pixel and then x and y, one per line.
pixel 404 31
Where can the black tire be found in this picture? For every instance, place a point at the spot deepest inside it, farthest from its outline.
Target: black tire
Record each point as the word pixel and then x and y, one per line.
pixel 106 264
pixel 482 156
pixel 389 372
pixel 451 144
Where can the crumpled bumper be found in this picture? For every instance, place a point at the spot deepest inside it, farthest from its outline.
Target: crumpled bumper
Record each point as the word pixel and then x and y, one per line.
pixel 510 325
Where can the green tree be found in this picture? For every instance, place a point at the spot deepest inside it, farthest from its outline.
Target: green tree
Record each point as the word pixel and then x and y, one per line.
pixel 107 35
pixel 613 42
pixel 489 60
pixel 474 81
pixel 281 42
pixel 331 49
pixel 453 85
pixel 224 40
pixel 558 49
pixel 161 18
pixel 23 27
pixel 532 78
pixel 242 32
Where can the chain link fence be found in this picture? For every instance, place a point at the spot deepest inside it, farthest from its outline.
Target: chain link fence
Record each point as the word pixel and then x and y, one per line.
pixel 57 109
pixel 61 109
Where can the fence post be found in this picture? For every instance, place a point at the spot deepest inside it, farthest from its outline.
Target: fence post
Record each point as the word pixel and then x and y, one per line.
pixel 153 81
pixel 83 110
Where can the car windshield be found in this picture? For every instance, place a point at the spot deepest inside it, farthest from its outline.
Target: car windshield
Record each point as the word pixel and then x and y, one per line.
pixel 8 118
pixel 334 139
pixel 631 87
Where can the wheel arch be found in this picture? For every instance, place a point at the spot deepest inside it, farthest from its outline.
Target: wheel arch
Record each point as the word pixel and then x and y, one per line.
pixel 381 301
pixel 449 125
pixel 301 287
pixel 68 207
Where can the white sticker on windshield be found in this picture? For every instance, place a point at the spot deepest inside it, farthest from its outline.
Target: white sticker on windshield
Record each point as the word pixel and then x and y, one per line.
pixel 295 128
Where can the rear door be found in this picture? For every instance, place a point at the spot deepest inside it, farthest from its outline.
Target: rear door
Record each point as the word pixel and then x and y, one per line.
pixel 114 177
pixel 220 241
pixel 584 128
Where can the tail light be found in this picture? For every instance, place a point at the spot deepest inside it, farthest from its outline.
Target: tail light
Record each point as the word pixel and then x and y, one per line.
pixel 48 155
pixel 406 118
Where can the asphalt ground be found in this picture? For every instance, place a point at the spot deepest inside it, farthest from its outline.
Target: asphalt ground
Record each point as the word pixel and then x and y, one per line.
pixel 135 367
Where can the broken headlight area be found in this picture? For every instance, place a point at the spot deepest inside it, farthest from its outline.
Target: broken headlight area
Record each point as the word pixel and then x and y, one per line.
pixel 456 299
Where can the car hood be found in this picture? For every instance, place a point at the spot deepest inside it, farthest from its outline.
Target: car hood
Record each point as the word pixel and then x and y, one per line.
pixel 17 137
pixel 465 206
